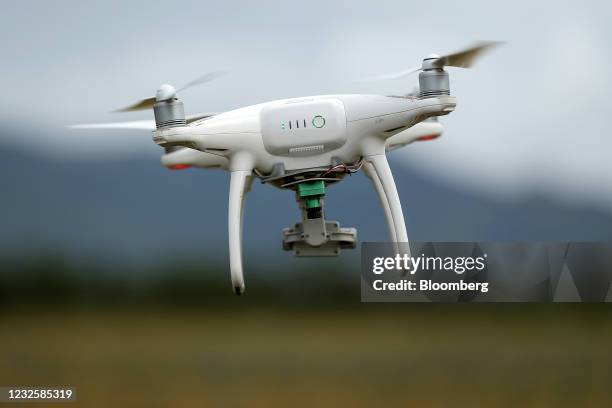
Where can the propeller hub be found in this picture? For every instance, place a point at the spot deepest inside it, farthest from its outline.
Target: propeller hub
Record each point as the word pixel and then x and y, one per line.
pixel 432 61
pixel 165 92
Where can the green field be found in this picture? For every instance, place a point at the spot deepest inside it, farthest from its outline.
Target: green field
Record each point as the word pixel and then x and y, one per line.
pixel 365 355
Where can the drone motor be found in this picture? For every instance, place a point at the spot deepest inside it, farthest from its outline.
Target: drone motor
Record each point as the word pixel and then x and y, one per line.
pixel 168 110
pixel 433 79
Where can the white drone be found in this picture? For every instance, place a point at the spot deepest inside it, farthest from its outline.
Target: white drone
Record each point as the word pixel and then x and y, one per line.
pixel 304 144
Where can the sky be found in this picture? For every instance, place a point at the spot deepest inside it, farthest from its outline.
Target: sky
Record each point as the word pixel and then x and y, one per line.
pixel 531 116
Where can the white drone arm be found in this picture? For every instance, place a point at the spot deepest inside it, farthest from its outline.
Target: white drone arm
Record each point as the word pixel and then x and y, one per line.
pixel 194 158
pixel 426 130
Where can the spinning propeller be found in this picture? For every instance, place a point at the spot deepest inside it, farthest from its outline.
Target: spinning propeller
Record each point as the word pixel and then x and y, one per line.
pixel 461 59
pixel 164 93
pixel 167 92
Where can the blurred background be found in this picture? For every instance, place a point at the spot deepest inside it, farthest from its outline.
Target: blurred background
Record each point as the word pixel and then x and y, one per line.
pixel 114 275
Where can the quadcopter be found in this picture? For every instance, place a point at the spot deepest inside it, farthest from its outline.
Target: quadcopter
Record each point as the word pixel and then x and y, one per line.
pixel 305 145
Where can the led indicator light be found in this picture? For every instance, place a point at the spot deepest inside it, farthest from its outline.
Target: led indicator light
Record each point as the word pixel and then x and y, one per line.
pixel 318 121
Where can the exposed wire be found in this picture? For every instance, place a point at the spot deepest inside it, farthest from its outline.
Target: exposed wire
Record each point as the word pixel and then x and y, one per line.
pixel 333 169
pixel 349 169
pixel 358 166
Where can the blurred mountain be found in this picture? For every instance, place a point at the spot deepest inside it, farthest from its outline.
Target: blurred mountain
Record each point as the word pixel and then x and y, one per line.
pixel 133 207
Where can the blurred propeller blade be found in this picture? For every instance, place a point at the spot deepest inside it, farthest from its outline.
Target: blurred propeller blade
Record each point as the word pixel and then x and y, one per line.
pixel 138 124
pixel 394 75
pixel 133 125
pixel 142 105
pixel 149 102
pixel 467 57
pixel 203 79
pixel 462 59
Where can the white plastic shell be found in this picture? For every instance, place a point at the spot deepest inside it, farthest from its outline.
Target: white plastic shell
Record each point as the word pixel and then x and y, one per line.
pixel 304 127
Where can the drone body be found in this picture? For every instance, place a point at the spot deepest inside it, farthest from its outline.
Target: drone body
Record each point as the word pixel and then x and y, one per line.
pixel 305 144
pixel 307 132
pixel 179 159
